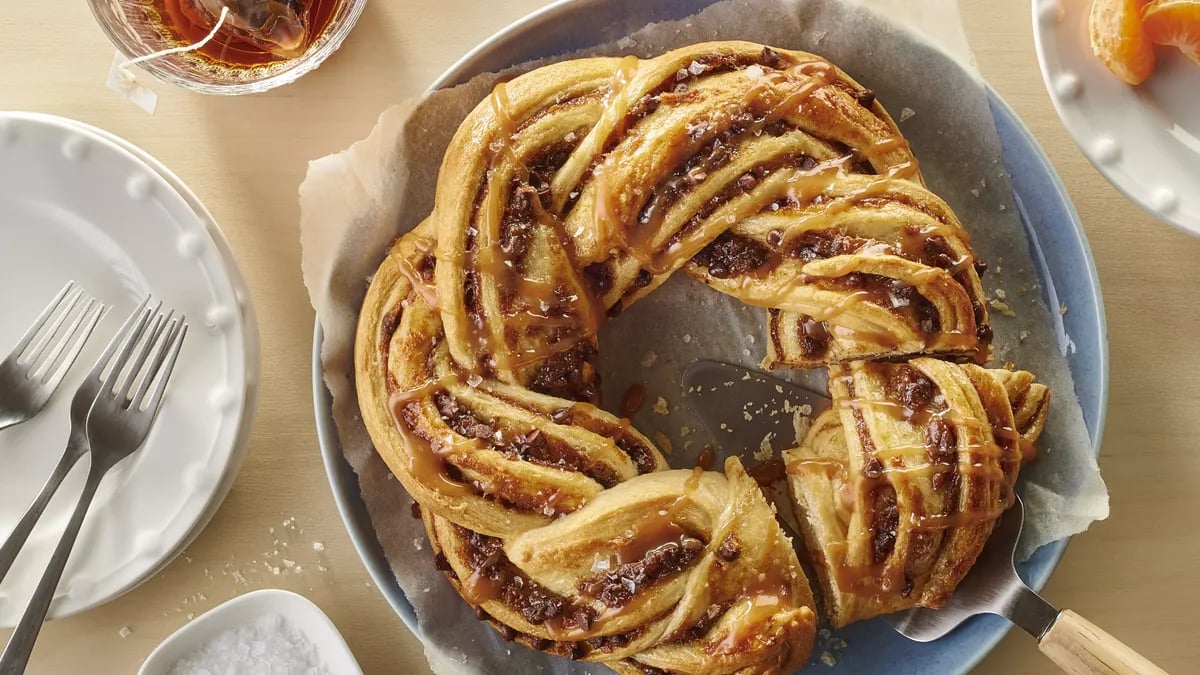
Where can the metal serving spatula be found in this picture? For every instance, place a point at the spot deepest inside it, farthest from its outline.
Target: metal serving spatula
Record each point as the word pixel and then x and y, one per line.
pixel 743 407
pixel 719 392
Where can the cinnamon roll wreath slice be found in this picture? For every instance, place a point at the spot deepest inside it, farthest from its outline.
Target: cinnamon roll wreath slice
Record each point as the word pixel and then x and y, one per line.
pixel 567 195
pixel 898 486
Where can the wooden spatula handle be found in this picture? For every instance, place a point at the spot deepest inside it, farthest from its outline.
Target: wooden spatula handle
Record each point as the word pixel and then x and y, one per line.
pixel 1078 647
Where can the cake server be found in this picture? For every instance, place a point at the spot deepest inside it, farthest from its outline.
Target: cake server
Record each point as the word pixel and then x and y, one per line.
pixel 992 586
pixel 721 393
pixel 745 409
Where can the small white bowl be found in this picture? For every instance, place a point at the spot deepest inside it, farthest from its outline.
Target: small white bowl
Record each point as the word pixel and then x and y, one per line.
pixel 300 613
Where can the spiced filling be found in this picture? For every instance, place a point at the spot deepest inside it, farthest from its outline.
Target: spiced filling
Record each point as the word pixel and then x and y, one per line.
pixel 611 643
pixel 569 374
pixel 731 255
pixel 733 190
pixel 814 337
pixel 813 245
pixel 894 295
pixel 500 579
pixel 462 420
pixel 517 227
pixel 599 277
pixel 909 386
pixel 638 453
pixel 618 586
pixel 538 448
pixel 885 519
pixel 941 442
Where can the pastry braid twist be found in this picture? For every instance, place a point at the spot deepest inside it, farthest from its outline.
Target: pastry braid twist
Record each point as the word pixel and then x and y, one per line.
pixel 898 486
pixel 570 193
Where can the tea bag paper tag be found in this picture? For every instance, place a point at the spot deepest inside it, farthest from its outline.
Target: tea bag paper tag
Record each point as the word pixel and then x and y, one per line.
pixel 122 80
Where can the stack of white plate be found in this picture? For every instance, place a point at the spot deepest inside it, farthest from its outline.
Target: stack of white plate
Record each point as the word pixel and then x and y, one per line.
pixel 77 203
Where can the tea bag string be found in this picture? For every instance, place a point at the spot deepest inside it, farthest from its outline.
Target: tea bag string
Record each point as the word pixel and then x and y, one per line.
pixel 127 66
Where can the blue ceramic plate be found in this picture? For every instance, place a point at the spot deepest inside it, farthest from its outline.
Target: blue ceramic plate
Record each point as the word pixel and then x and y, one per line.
pixel 1054 233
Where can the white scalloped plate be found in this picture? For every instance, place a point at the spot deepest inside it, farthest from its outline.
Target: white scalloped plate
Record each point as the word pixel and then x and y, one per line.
pixel 1144 139
pixel 77 203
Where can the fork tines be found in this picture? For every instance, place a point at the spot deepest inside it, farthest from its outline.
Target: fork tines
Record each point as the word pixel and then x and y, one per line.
pixel 154 340
pixel 53 342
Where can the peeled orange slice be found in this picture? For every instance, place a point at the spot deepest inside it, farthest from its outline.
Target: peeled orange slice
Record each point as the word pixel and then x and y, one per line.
pixel 1175 23
pixel 1119 40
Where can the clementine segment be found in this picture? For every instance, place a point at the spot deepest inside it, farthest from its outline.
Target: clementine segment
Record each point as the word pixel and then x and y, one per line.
pixel 1175 23
pixel 1119 40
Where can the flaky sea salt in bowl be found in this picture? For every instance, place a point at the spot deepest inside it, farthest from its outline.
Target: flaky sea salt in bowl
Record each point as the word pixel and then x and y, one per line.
pixel 268 632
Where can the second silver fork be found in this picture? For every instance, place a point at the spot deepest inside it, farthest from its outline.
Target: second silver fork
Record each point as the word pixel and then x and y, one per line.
pixel 77 445
pixel 126 404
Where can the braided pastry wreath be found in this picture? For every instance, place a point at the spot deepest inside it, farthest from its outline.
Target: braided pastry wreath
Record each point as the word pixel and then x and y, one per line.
pixel 769 175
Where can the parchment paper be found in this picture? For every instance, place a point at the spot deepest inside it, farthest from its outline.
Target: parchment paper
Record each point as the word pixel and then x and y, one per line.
pixel 353 204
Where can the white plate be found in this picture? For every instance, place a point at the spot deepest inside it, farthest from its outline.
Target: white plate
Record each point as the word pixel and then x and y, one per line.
pixel 299 612
pixel 250 334
pixel 1144 139
pixel 75 204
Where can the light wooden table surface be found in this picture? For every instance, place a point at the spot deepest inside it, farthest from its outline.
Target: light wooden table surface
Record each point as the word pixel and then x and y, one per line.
pixel 1133 575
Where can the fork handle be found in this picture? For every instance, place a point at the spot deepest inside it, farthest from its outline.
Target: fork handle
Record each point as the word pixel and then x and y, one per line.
pixel 20 644
pixel 1078 647
pixel 20 534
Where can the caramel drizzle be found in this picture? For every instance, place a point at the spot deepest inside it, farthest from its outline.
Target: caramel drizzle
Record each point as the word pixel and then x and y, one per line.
pixel 426 290
pixel 609 226
pixel 883 340
pixel 826 465
pixel 642 246
pixel 654 530
pixel 990 450
pixel 640 540
pixel 587 314
pixel 878 580
pixel 427 464
pixel 763 598
pixel 834 469
pixel 953 339
pixel 639 244
pixel 478 588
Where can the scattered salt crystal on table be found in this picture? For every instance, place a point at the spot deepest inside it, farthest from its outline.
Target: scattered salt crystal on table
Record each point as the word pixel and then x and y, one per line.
pixel 270 646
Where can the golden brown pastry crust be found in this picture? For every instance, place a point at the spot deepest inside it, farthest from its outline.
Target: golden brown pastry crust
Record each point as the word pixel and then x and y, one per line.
pixel 898 486
pixel 570 193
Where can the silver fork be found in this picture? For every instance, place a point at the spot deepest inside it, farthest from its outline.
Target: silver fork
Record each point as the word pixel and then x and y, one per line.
pixel 117 425
pixel 77 444
pixel 31 373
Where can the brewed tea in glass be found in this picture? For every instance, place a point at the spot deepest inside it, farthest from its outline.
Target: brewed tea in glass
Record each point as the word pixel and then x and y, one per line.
pixel 257 44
